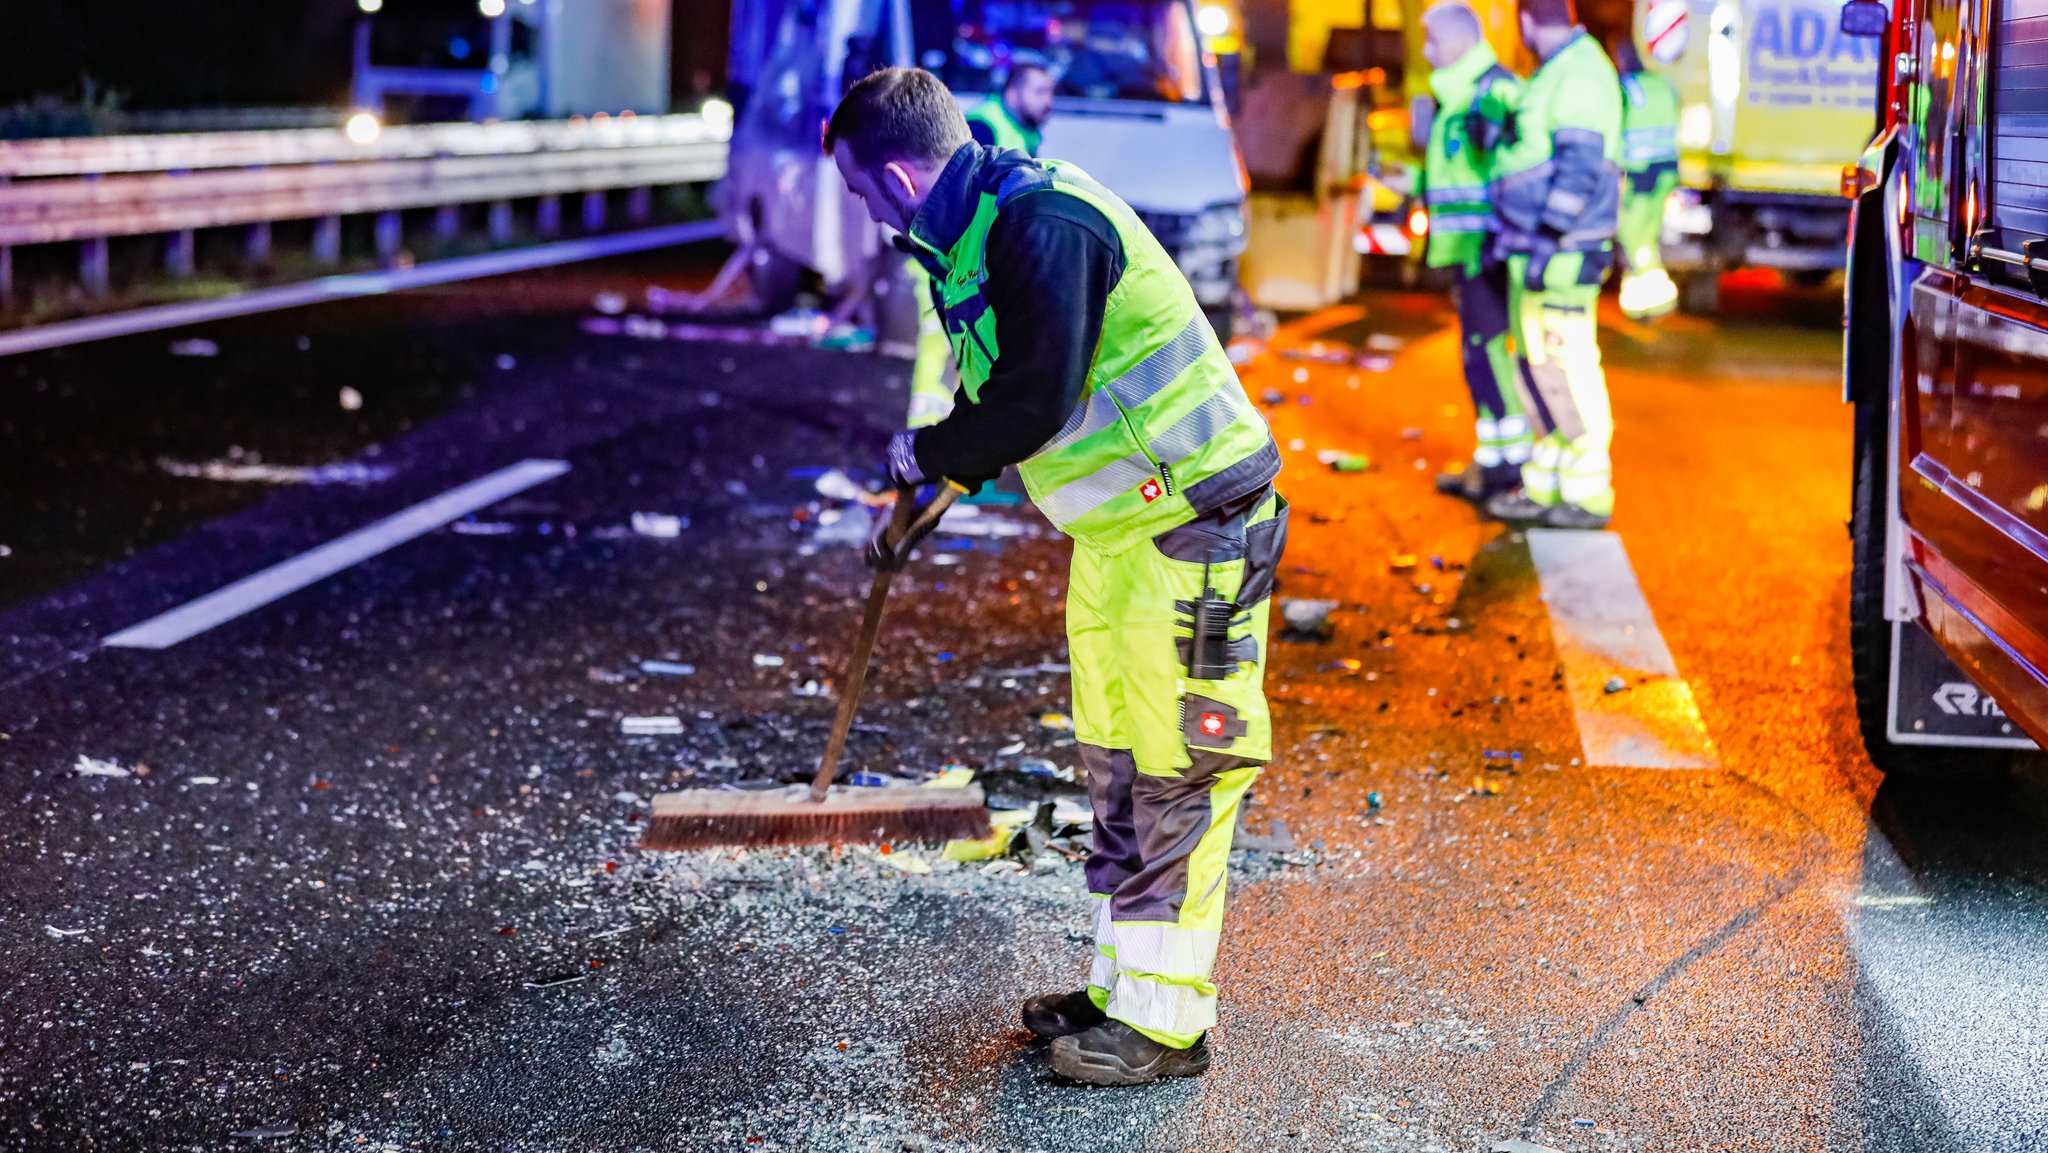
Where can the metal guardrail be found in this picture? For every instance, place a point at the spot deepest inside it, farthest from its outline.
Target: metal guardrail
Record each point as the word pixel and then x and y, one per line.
pixel 88 190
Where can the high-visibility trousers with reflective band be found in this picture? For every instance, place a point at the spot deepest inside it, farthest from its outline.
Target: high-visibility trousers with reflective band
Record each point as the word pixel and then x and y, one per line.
pixel 1556 338
pixel 1169 761
pixel 1646 288
pixel 1501 425
pixel 933 379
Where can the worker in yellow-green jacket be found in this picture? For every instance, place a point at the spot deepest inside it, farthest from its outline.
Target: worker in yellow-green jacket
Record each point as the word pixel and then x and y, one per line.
pixel 1557 199
pixel 1086 362
pixel 1649 160
pixel 1013 120
pixel 1472 115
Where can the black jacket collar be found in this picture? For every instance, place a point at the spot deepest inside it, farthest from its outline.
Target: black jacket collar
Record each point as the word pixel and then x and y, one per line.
pixel 956 195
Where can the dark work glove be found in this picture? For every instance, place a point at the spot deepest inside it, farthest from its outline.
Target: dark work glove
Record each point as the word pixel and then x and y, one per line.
pixel 901 463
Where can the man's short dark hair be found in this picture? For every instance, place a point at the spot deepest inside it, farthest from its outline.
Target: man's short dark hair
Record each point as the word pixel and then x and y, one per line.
pixel 1551 13
pixel 1022 71
pixel 896 115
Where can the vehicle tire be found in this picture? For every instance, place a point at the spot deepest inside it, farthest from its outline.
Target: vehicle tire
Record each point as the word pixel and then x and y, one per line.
pixel 1699 291
pixel 1870 634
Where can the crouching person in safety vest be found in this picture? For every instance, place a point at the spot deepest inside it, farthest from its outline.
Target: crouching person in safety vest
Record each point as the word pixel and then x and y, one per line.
pixel 1557 194
pixel 1085 361
pixel 1475 99
pixel 1649 157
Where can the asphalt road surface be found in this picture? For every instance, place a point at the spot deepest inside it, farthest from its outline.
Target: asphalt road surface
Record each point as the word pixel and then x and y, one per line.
pixel 352 866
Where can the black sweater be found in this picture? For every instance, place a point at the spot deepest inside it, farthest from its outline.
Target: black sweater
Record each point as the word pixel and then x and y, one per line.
pixel 1052 261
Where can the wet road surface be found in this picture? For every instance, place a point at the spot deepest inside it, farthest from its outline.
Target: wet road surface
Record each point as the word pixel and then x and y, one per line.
pixel 355 869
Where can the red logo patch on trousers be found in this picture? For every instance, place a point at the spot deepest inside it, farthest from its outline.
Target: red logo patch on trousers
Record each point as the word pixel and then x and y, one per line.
pixel 1212 724
pixel 1151 490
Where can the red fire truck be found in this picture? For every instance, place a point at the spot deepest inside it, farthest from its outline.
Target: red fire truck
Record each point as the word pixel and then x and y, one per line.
pixel 1947 367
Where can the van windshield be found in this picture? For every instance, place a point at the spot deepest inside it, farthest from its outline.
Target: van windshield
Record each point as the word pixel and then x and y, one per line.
pixel 1096 49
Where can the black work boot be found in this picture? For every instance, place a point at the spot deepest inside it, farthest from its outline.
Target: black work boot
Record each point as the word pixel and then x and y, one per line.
pixel 1061 1014
pixel 1516 508
pixel 1113 1053
pixel 1562 515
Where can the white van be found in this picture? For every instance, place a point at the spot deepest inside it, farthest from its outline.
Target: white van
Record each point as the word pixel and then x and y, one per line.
pixel 1138 107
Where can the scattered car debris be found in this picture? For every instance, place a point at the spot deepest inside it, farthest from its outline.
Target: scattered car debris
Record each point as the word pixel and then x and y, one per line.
pixel 265 1132
pixel 652 726
pixel 196 347
pixel 94 767
pixel 1615 684
pixel 238 468
pixel 656 668
pixel 658 525
pixel 609 303
pixel 60 934
pixel 768 661
pixel 1344 461
pixel 483 528
pixel 1306 618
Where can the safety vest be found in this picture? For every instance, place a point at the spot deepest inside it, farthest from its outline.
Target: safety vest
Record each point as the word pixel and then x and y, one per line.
pixel 1649 127
pixel 1569 114
pixel 1163 430
pixel 1008 133
pixel 1455 167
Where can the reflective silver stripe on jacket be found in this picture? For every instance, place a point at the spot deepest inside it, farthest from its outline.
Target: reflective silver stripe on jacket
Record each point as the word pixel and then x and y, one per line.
pixel 1461 222
pixel 1202 424
pixel 1464 194
pixel 1138 384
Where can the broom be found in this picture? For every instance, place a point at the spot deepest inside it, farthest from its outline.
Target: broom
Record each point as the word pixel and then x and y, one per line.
pixel 802 814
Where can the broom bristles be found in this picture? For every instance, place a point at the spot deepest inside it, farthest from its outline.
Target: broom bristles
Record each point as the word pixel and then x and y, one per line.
pixel 702 818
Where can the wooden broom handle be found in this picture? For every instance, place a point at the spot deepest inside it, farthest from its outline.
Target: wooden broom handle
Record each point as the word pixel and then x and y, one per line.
pixel 906 518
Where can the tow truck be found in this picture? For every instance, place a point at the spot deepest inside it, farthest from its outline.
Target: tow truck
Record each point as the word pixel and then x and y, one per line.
pixel 1946 365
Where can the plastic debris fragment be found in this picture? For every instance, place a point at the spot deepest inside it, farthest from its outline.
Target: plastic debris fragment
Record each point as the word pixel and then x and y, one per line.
pixel 1060 722
pixel 667 669
pixel 608 303
pixel 1344 461
pixel 768 661
pixel 1401 562
pixel 1615 684
pixel 658 726
pixel 952 777
pixel 1004 827
pixel 94 767
pixel 1308 618
pixel 659 525
pixel 1343 665
pixel 196 347
pixel 1373 800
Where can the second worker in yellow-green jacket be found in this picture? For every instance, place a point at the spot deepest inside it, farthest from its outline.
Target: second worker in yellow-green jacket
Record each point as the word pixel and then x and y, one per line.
pixel 1649 159
pixel 1475 100
pixel 1086 362
pixel 1557 201
pixel 1013 120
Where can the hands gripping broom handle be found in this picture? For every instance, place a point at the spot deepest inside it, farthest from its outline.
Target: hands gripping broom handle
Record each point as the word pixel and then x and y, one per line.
pixel 906 519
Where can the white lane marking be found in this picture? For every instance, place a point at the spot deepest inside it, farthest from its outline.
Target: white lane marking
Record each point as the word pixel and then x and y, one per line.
pixel 1604 629
pixel 351 286
pixel 258 589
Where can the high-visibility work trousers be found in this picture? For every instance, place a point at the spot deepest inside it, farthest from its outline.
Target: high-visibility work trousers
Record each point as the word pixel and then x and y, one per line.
pixel 1169 758
pixel 1500 420
pixel 1556 338
pixel 1646 288
pixel 933 378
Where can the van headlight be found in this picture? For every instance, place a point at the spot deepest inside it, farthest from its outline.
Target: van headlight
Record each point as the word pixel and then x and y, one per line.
pixel 1217 232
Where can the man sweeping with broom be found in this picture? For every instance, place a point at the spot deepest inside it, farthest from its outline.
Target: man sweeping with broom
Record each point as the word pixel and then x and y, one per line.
pixel 1085 361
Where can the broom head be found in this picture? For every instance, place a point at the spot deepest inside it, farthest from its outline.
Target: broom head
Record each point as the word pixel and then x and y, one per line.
pixel 701 818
